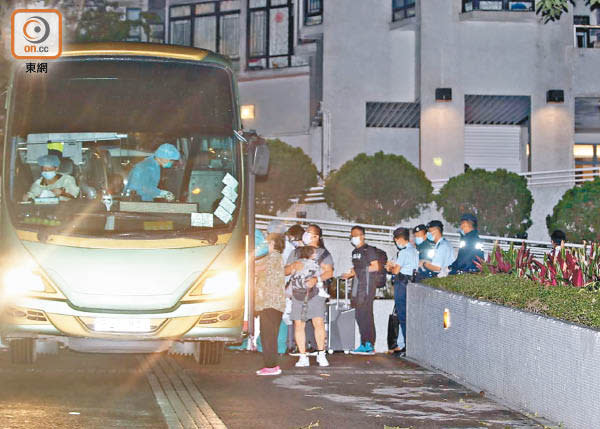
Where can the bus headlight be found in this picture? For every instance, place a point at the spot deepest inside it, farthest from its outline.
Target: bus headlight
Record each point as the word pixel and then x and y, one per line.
pixel 217 284
pixel 22 281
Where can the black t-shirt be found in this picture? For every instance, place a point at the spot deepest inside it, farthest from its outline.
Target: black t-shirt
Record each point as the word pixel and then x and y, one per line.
pixel 361 259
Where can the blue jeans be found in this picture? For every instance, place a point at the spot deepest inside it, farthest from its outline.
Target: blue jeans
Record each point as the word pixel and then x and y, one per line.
pixel 400 307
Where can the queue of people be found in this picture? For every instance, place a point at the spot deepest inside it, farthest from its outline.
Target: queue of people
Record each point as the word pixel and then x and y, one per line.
pixel 292 283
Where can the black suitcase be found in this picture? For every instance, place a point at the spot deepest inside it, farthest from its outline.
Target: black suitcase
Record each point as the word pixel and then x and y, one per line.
pixel 341 321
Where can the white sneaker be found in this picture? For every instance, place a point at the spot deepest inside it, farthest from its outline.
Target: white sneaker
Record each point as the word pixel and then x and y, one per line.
pixel 322 359
pixel 303 361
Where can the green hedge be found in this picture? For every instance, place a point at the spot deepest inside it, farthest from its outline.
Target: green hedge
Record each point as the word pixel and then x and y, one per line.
pixel 291 173
pixel 578 213
pixel 500 199
pixel 380 189
pixel 580 306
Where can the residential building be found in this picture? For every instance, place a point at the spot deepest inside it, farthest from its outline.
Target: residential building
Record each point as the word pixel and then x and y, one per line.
pixel 443 82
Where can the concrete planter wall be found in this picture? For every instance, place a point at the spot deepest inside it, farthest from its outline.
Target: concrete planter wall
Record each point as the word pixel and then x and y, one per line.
pixel 532 362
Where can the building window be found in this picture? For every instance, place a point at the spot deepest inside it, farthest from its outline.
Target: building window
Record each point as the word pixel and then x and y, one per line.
pixel 134 14
pixel 313 12
pixel 402 9
pixel 586 156
pixel 213 25
pixel 499 5
pixel 270 34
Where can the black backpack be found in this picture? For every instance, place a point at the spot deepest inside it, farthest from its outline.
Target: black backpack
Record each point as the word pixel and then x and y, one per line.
pixel 380 277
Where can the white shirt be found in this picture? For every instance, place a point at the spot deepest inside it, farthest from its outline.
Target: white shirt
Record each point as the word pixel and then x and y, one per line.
pixel 64 181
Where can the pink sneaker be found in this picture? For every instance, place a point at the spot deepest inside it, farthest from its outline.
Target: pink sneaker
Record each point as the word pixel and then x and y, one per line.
pixel 269 371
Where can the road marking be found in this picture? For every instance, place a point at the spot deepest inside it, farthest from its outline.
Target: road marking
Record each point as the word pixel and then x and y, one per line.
pixel 179 399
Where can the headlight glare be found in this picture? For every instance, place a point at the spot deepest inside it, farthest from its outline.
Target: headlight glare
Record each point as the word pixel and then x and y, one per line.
pixel 22 281
pixel 218 284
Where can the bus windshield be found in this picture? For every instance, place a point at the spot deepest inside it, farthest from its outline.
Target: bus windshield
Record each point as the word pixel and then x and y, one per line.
pixel 89 123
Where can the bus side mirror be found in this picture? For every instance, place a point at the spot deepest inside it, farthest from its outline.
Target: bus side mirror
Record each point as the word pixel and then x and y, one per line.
pixel 260 164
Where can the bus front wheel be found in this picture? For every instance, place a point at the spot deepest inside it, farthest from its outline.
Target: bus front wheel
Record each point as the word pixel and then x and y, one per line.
pixel 209 352
pixel 23 351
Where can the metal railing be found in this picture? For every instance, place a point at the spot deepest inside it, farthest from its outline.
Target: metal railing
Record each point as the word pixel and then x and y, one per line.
pixel 384 234
pixel 569 177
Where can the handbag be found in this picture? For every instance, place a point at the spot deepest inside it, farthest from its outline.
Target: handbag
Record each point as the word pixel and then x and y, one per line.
pixel 393 330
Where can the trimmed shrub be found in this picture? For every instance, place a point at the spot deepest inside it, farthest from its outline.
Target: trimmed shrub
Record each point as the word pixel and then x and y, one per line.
pixel 578 213
pixel 499 199
pixel 291 173
pixel 381 189
pixel 567 303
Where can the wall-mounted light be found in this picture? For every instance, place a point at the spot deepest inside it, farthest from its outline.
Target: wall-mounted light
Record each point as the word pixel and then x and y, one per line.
pixel 443 94
pixel 437 161
pixel 446 318
pixel 555 96
pixel 247 111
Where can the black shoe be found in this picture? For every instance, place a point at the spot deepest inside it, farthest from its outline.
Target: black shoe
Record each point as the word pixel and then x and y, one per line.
pixel 294 351
pixel 400 353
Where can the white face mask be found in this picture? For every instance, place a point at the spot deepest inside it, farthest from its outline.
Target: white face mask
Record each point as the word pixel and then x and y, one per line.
pixel 307 238
pixel 355 241
pixel 48 175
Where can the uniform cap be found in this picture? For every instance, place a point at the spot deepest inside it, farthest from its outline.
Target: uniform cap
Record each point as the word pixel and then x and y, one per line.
pixel 167 151
pixel 469 218
pixel 420 227
pixel 48 161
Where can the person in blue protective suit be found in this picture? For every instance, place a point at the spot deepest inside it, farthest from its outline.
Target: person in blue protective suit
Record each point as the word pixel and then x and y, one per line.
pixel 144 177
pixel 470 247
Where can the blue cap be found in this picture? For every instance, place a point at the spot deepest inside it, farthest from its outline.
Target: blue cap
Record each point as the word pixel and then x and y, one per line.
pixel 48 161
pixel 469 218
pixel 167 151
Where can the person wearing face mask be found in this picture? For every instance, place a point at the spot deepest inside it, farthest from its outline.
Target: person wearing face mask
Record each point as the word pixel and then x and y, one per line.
pixel 407 261
pixel 423 245
pixel 365 263
pixel 145 176
pixel 314 307
pixel 61 185
pixel 470 247
pixel 293 240
pixel 443 253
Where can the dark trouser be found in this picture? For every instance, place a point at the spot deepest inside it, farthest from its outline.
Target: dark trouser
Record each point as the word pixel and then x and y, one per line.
pixel 366 322
pixel 270 319
pixel 400 304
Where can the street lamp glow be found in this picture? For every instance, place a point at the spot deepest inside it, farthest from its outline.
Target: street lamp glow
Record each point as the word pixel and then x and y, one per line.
pixel 247 111
pixel 437 161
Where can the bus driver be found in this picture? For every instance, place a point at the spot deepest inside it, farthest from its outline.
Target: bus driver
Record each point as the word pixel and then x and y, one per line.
pixel 145 176
pixel 52 183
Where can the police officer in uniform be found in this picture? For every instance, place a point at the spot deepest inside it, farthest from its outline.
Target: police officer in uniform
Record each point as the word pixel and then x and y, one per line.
pixel 470 246
pixel 443 254
pixel 423 245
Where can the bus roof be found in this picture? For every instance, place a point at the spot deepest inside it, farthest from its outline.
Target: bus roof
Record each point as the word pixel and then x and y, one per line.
pixel 144 50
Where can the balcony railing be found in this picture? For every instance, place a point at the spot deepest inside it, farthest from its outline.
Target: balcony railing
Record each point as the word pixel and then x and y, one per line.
pixel 313 12
pixel 586 36
pixel 499 5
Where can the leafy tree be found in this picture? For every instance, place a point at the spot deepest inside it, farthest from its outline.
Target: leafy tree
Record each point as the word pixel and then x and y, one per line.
pixel 499 199
pixel 380 189
pixel 291 173
pixel 107 25
pixel 578 213
pixel 552 10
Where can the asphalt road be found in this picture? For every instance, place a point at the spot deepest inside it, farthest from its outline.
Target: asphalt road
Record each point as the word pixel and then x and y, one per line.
pixel 72 390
